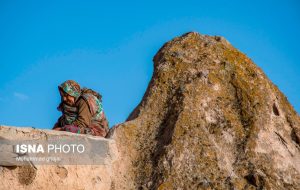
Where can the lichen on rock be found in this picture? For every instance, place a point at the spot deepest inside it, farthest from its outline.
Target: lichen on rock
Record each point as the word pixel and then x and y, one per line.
pixel 210 119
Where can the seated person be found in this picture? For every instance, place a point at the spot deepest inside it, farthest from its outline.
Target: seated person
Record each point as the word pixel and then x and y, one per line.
pixel 82 110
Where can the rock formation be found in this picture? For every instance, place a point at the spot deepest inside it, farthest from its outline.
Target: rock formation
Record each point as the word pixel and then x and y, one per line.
pixel 210 119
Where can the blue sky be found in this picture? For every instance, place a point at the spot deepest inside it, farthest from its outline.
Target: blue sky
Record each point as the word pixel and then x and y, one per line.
pixel 109 45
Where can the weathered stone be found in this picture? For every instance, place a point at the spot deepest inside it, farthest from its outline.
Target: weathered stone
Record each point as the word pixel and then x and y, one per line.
pixel 210 119
pixel 57 176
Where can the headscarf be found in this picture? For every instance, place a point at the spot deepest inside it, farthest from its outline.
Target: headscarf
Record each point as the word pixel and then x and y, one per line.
pixel 71 87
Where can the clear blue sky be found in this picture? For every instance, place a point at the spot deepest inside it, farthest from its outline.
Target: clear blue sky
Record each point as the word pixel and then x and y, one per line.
pixel 109 45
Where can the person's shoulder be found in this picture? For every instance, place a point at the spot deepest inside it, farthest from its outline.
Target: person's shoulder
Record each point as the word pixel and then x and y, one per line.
pixel 87 92
pixel 81 102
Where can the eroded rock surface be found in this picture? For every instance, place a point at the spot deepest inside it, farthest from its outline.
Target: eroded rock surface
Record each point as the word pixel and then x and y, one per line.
pixel 210 119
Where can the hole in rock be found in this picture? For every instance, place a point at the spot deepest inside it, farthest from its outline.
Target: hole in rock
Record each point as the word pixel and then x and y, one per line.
pixel 275 110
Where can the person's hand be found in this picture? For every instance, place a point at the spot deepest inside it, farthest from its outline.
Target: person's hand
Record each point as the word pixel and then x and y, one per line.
pixel 58 129
pixel 88 131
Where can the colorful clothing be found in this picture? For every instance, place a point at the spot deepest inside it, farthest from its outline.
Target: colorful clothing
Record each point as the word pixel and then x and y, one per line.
pixel 69 113
pixel 99 124
pixel 71 128
pixel 71 87
pixel 87 114
pixel 95 105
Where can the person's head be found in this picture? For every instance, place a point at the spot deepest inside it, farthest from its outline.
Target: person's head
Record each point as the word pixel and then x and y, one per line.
pixel 69 91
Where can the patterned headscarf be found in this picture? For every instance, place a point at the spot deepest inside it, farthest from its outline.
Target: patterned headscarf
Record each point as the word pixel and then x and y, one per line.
pixel 71 87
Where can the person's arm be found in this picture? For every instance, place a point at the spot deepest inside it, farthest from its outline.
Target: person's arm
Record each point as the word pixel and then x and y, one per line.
pixel 84 115
pixel 57 125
